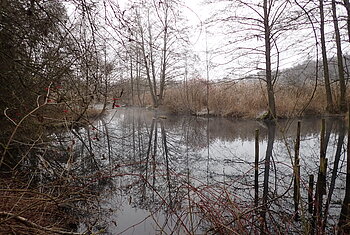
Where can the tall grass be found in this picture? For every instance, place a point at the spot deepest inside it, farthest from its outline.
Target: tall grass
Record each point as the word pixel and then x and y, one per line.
pixel 244 99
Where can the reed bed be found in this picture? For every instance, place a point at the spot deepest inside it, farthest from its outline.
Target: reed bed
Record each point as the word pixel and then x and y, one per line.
pixel 245 99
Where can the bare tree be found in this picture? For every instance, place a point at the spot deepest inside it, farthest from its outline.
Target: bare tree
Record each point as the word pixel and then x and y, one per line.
pixel 269 79
pixel 342 86
pixel 347 6
pixel 254 31
pixel 329 107
pixel 158 37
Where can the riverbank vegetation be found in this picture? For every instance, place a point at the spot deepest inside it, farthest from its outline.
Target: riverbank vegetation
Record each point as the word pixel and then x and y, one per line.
pixel 241 99
pixel 64 63
pixel 50 75
pixel 245 100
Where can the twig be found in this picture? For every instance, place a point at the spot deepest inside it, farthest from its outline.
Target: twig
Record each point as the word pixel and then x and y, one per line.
pixel 20 122
pixel 34 225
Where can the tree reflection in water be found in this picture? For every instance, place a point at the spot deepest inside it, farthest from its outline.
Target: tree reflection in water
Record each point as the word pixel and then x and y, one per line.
pixel 192 175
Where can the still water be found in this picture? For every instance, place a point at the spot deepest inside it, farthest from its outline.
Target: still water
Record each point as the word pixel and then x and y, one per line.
pixel 164 174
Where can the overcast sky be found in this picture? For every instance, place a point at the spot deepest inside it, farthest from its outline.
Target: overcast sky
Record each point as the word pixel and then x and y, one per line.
pixel 210 40
pixel 196 12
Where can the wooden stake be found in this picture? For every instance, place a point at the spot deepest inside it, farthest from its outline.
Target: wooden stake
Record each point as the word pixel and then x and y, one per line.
pixel 256 185
pixel 296 195
pixel 311 193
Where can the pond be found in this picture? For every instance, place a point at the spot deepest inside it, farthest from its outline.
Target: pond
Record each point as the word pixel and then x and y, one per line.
pixel 165 174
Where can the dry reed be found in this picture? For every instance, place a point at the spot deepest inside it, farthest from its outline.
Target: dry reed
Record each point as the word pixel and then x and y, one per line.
pixel 244 99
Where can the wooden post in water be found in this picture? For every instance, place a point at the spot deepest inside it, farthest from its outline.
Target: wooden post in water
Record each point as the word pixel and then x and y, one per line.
pixel 296 195
pixel 323 161
pixel 310 194
pixel 256 181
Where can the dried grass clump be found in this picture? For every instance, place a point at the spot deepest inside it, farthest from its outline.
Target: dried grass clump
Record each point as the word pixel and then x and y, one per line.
pixel 292 101
pixel 29 209
pixel 238 100
pixel 186 98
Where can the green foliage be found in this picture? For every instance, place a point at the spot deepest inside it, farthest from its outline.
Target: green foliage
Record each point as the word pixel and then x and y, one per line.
pixel 36 63
pixel 29 38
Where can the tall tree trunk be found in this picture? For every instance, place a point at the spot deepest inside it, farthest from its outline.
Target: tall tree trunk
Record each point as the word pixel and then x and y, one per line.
pixel 269 83
pixel 329 107
pixel 131 81
pixel 138 76
pixel 148 74
pixel 347 6
pixel 151 60
pixel 342 86
pixel 164 56
pixel 146 60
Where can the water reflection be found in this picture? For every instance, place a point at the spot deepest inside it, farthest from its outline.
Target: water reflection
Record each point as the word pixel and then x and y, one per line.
pixel 268 157
pixel 191 175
